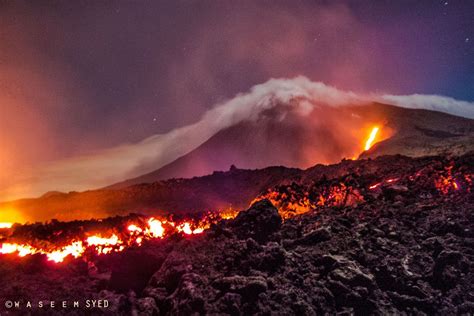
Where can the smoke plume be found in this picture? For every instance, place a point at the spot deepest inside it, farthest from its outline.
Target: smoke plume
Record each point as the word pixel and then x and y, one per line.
pixel 130 160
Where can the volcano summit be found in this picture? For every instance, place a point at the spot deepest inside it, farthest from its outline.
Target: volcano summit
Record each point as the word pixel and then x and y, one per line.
pixel 280 137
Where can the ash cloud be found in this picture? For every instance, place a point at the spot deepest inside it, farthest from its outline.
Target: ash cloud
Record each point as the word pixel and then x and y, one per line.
pixel 130 160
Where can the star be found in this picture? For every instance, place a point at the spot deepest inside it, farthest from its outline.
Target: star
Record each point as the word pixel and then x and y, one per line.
pixel 467 40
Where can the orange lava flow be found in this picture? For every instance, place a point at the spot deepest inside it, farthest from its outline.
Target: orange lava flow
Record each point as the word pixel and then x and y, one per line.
pixel 100 244
pixel 446 183
pixel 371 138
pixel 290 200
pixel 374 186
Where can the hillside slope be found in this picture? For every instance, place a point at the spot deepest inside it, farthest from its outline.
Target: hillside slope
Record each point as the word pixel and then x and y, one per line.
pixel 302 141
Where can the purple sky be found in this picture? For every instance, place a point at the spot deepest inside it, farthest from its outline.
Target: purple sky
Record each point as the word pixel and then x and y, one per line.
pixel 80 76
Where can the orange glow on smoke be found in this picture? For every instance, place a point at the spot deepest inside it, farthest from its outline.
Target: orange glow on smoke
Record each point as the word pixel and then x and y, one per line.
pixel 371 139
pixel 10 215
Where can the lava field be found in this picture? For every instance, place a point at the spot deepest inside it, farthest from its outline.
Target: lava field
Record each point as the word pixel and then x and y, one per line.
pixel 393 235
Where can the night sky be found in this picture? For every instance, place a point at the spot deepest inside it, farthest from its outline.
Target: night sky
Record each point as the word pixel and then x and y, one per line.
pixel 80 76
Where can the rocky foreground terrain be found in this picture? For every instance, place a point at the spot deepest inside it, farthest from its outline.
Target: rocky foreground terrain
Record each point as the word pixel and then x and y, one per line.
pixel 401 246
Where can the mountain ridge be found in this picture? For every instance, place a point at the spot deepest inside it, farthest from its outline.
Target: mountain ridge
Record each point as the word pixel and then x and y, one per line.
pixel 416 132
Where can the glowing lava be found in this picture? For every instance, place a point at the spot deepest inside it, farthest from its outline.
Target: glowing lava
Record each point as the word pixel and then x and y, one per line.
pixel 372 187
pixel 186 228
pixel 75 249
pixel 136 233
pixel 156 228
pixel 6 225
pixel 446 183
pixel 290 200
pixel 371 138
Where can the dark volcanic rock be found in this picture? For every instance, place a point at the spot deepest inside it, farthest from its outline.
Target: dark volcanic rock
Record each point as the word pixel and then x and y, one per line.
pixel 259 222
pixel 406 249
pixel 315 236
pixel 249 287
pixel 367 263
pixel 146 306
pixel 448 268
pixel 350 273
pixel 133 270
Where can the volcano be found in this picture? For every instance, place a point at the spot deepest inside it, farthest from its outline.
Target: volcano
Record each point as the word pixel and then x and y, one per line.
pixel 279 136
pixel 282 136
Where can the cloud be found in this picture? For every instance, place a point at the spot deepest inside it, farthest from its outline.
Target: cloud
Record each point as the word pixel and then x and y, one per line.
pixel 432 102
pixel 131 160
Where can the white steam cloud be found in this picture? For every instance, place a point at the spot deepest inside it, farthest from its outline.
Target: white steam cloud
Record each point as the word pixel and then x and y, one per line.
pixel 432 102
pixel 131 160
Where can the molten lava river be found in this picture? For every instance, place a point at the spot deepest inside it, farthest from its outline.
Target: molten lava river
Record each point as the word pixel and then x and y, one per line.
pixel 133 234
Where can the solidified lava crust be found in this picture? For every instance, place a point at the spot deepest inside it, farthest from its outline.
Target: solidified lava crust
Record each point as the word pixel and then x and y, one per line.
pixel 405 249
